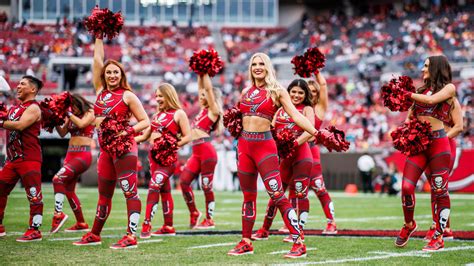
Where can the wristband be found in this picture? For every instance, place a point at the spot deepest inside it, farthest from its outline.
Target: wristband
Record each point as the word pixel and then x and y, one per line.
pixel 130 131
pixel 68 113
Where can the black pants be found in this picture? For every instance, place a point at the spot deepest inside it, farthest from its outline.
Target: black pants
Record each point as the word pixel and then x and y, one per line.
pixel 366 181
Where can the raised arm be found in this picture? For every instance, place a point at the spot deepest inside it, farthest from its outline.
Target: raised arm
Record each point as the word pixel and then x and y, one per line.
pixel 206 83
pixel 456 115
pixel 31 115
pixel 183 122
pixel 291 110
pixel 322 105
pixel 309 114
pixel 445 93
pixel 83 122
pixel 98 64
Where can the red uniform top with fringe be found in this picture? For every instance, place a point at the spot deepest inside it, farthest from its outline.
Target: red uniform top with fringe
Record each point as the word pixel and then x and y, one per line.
pixel 111 102
pixel 256 103
pixel 163 120
pixel 283 120
pixel 439 111
pixel 203 122
pixel 25 144
pixel 75 131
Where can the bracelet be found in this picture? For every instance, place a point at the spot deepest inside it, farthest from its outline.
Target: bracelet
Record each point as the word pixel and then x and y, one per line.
pixel 68 113
pixel 1 123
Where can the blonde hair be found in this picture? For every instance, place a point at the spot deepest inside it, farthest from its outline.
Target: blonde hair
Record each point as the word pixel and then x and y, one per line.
pixel 271 83
pixel 170 95
pixel 313 83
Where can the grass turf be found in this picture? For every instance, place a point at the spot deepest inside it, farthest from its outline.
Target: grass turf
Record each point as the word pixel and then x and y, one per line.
pixel 352 212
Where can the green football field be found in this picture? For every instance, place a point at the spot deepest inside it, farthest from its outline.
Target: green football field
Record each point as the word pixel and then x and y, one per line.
pixel 352 212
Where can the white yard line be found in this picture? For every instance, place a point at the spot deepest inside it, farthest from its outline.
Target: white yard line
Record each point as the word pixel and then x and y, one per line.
pixel 150 241
pixel 386 255
pixel 213 245
pixel 286 251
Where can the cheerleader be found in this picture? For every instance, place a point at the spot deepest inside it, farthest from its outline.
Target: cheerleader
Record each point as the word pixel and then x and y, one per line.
pixel 115 97
pixel 204 157
pixel 80 124
pixel 432 103
pixel 171 117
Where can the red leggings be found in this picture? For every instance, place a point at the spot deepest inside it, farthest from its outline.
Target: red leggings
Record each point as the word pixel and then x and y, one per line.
pixel 295 173
pixel 78 160
pixel 318 186
pixel 257 153
pixel 438 158
pixel 452 144
pixel 160 185
pixel 30 174
pixel 204 161
pixel 111 168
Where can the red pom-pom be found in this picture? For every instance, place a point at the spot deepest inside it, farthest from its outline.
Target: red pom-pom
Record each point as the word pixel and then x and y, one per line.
pixel 206 62
pixel 3 111
pixel 165 149
pixel 104 23
pixel 309 63
pixel 394 94
pixel 285 142
pixel 109 139
pixel 53 110
pixel 233 121
pixel 412 137
pixel 333 139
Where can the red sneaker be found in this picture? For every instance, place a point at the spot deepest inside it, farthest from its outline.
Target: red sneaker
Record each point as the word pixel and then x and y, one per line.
pixel 146 230
pixel 194 219
pixel 405 234
pixel 331 229
pixel 261 234
pixel 88 239
pixel 242 248
pixel 127 241
pixel 436 244
pixel 297 251
pixel 206 224
pixel 284 229
pixel 30 235
pixel 58 221
pixel 165 230
pixel 78 227
pixel 448 234
pixel 2 230
pixel 429 234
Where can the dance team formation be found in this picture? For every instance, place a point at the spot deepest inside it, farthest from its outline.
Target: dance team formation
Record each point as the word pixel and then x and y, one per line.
pixel 284 123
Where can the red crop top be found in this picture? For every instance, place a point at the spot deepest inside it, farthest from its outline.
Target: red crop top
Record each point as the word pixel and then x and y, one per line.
pixel 256 103
pixel 203 122
pixel 317 122
pixel 283 120
pixel 163 120
pixel 439 111
pixel 109 102
pixel 75 131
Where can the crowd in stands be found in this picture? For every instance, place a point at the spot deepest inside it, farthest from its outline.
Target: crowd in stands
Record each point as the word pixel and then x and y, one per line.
pixel 397 36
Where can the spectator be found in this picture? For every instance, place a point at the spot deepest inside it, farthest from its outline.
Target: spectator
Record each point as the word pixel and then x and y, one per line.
pixel 366 165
